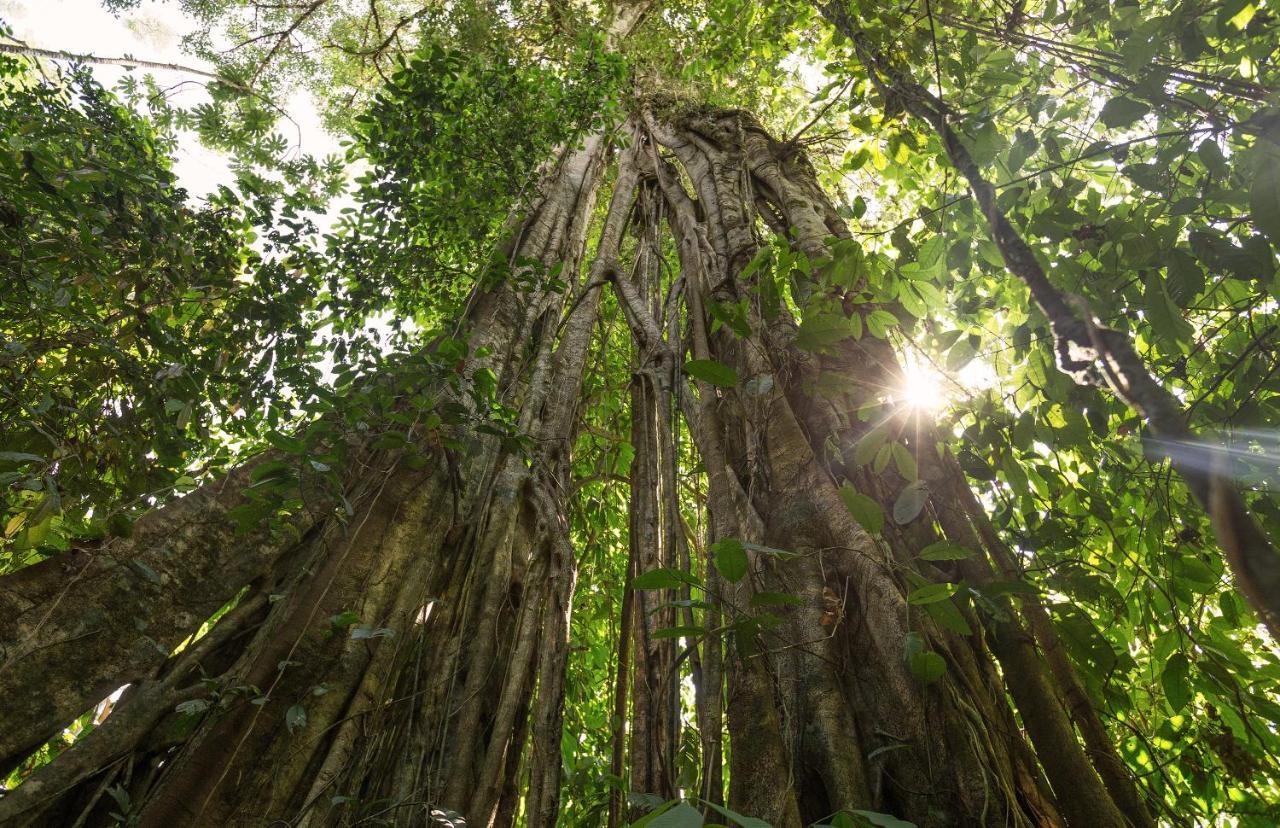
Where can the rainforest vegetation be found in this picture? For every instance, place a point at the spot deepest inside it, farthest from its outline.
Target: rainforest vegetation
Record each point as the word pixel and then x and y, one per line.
pixel 662 412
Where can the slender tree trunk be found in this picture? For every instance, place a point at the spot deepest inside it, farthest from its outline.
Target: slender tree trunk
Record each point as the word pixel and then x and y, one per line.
pixel 653 531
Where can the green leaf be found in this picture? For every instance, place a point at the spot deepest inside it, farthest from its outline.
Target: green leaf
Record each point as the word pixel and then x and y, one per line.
pixel 344 619
pixel 1176 681
pixel 905 462
pixel 884 820
pixel 819 331
pixel 945 551
pixel 948 616
pixel 730 558
pixel 682 815
pixel 1264 200
pixel 960 355
pixel 19 457
pixel 986 143
pixel 744 821
pixel 910 501
pixel 879 322
pixel 927 666
pixel 709 370
pixel 930 593
pixel 1023 146
pixel 1211 154
pixel 663 578
pixel 1185 279
pixel 1165 317
pixel 1122 111
pixel 272 471
pixel 868 444
pixel 295 717
pixel 1195 573
pixel 865 510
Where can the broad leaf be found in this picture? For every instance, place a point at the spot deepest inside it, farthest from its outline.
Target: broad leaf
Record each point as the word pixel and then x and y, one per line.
pixel 730 558
pixel 708 370
pixel 865 510
pixel 910 502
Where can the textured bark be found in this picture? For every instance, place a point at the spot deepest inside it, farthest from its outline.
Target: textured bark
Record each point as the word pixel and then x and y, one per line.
pixel 458 568
pixel 824 712
pixel 1084 798
pixel 652 538
pixel 83 624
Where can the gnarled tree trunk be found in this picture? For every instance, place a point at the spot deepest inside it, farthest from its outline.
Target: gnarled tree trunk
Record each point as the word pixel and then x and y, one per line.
pixel 855 698
pixel 403 657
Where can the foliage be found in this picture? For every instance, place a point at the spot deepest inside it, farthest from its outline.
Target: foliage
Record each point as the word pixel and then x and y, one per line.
pixel 136 327
pixel 1136 148
pixel 453 144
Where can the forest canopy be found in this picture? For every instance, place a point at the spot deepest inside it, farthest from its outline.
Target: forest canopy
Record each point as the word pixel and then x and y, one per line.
pixel 660 413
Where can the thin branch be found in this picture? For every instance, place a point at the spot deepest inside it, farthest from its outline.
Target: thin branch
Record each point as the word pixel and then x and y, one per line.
pixel 127 62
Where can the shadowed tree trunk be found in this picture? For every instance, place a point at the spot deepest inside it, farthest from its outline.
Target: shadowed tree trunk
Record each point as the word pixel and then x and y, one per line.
pixel 400 638
pixel 856 697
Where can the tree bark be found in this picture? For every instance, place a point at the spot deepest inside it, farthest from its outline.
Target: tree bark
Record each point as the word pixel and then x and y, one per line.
pixel 457 566
pixel 832 717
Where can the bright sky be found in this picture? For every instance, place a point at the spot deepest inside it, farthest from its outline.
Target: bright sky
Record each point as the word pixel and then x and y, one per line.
pixel 153 31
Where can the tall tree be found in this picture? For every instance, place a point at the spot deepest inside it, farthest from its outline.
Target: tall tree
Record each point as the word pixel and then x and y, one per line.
pixel 635 513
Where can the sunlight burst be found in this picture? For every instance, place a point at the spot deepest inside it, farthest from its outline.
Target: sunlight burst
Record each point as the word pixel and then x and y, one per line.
pixel 921 388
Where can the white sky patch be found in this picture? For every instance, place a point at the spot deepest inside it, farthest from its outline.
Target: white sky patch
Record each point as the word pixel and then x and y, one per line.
pixel 153 32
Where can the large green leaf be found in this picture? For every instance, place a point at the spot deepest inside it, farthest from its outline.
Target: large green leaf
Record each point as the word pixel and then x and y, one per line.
pixel 865 510
pixel 1122 111
pixel 1264 199
pixel 730 558
pixel 819 331
pixel 1176 681
pixel 910 502
pixel 883 820
pixel 708 370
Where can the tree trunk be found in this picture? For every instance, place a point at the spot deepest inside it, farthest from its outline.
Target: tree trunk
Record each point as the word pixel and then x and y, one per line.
pixel 397 649
pixel 406 657
pixel 854 698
